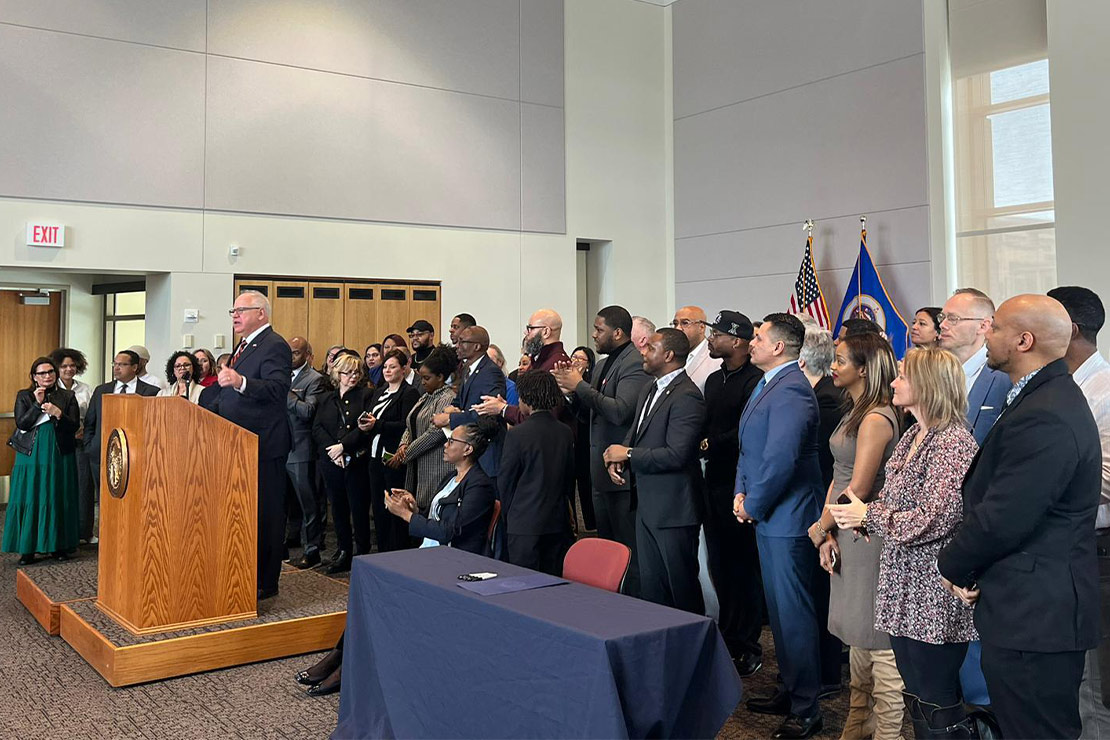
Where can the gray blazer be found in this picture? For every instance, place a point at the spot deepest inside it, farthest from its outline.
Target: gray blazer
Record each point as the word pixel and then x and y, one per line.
pixel 424 465
pixel 609 402
pixel 301 407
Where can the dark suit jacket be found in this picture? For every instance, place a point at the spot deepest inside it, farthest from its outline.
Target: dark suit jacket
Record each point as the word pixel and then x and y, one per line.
pixel 536 481
pixel 830 410
pixel 267 364
pixel 464 515
pixel 91 438
pixel 28 410
pixel 486 380
pixel 778 468
pixel 1028 534
pixel 391 422
pixel 300 404
pixel 336 420
pixel 985 401
pixel 664 464
pixel 609 402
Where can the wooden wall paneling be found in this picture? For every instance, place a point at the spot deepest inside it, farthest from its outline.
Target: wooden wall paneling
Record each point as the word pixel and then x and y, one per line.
pixel 290 303
pixel 424 304
pixel 325 316
pixel 7 454
pixel 392 310
pixel 359 310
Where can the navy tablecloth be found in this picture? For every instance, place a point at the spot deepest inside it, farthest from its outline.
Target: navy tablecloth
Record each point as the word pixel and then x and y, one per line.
pixel 424 658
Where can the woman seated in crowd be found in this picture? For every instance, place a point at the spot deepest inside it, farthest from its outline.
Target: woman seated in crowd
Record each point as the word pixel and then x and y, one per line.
pixel 372 358
pixel 926 327
pixel 208 370
pixel 182 370
pixel 42 504
pixel 342 459
pixel 421 447
pixel 459 517
pixel 863 368
pixel 917 513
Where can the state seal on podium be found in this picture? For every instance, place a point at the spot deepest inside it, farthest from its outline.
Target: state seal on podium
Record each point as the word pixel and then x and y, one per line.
pixel 117 463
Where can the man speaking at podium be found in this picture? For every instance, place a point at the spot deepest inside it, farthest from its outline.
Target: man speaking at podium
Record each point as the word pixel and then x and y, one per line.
pixel 252 393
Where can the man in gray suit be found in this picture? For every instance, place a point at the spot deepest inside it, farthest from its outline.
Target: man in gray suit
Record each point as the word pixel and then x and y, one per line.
pixel 300 466
pixel 609 402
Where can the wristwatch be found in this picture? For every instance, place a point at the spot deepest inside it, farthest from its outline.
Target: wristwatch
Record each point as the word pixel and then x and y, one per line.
pixel 629 455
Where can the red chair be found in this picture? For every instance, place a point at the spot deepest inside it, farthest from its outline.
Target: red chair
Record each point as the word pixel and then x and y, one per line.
pixel 492 530
pixel 597 562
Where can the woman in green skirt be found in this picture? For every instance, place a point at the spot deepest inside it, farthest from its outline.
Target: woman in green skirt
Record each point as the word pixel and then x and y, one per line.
pixel 42 506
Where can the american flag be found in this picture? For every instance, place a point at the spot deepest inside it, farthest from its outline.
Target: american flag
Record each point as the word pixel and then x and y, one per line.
pixel 807 296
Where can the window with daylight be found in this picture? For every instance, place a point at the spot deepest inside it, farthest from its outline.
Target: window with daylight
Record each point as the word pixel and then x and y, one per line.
pixel 1005 219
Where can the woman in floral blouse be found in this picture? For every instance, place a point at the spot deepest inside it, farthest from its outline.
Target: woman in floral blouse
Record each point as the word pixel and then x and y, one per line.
pixel 917 513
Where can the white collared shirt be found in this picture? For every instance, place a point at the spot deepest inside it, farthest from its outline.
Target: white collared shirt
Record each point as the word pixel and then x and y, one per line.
pixel 699 365
pixel 131 385
pixel 1093 378
pixel 974 366
pixel 660 386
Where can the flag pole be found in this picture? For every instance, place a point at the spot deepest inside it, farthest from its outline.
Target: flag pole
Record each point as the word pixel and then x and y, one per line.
pixel 859 272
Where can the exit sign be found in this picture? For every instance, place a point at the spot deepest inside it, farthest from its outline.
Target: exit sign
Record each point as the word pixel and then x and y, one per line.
pixel 46 235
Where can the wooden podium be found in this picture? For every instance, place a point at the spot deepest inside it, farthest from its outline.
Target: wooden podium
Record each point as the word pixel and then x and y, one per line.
pixel 178 519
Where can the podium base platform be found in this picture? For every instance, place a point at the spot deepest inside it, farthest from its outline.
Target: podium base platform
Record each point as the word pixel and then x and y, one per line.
pixel 308 614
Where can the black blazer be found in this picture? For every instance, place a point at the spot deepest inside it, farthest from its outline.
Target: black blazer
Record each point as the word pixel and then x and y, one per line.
pixel 28 410
pixel 665 469
pixel 536 481
pixel 267 364
pixel 391 423
pixel 336 420
pixel 1028 534
pixel 464 515
pixel 91 438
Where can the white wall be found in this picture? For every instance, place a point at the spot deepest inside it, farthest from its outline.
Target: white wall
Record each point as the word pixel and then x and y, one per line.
pixel 616 136
pixel 1078 60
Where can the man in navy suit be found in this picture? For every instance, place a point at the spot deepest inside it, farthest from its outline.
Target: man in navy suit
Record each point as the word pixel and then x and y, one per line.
pixel 481 377
pixel 252 393
pixel 778 489
pixel 964 322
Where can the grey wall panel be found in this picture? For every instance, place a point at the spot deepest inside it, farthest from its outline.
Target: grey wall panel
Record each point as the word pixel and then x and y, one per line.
pixel 543 184
pixel 175 23
pixel 470 46
pixel 292 141
pixel 95 120
pixel 851 144
pixel 726 51
pixel 892 236
pixel 757 296
pixel 541 51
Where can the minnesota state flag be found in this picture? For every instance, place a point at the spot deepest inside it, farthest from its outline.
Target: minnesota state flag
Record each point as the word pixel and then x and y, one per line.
pixel 866 298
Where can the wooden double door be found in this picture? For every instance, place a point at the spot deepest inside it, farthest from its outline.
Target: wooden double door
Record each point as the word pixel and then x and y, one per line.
pixel 354 314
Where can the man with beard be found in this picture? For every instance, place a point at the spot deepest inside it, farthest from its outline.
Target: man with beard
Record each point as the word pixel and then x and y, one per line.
pixel 422 337
pixel 543 343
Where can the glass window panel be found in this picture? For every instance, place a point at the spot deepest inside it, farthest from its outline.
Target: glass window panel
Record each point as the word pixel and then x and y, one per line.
pixel 1022 149
pixel 1010 263
pixel 130 304
pixel 1023 81
pixel 129 333
pixel 110 305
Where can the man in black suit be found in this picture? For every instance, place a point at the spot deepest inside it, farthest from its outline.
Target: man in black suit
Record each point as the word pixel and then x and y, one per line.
pixel 253 393
pixel 609 402
pixel 125 379
pixel 481 377
pixel 300 466
pixel 1026 548
pixel 536 480
pixel 660 457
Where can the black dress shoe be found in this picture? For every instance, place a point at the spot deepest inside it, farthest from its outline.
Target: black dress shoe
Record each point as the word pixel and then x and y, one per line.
pixel 321 670
pixel 747 664
pixel 797 727
pixel 776 703
pixel 329 685
pixel 309 560
pixel 28 559
pixel 61 556
pixel 267 593
pixel 341 564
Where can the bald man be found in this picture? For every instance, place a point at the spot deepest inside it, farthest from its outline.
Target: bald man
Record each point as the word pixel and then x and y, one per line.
pixel 543 343
pixel 690 320
pixel 1025 551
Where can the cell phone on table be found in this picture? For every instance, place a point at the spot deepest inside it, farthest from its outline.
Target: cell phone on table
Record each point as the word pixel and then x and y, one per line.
pixel 845 500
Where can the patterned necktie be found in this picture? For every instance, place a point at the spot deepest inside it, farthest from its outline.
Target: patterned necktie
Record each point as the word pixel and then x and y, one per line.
pixel 238 351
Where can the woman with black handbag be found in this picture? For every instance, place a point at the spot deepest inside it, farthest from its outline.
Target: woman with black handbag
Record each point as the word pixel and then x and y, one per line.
pixel 42 506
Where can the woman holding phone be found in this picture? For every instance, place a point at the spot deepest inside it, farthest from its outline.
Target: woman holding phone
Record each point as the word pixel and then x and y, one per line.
pixel 916 514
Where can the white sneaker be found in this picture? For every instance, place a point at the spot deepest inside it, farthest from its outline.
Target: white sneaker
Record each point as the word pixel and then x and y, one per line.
pixel 94 540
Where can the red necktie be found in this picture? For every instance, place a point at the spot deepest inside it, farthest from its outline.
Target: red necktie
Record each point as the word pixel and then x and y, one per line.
pixel 238 351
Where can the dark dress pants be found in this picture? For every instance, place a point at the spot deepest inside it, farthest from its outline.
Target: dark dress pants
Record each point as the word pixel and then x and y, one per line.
pixel 616 520
pixel 86 495
pixel 542 552
pixel 1034 695
pixel 734 568
pixel 393 532
pixel 349 491
pixel 669 566
pixel 302 488
pixel 789 569
pixel 271 520
pixel 930 672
